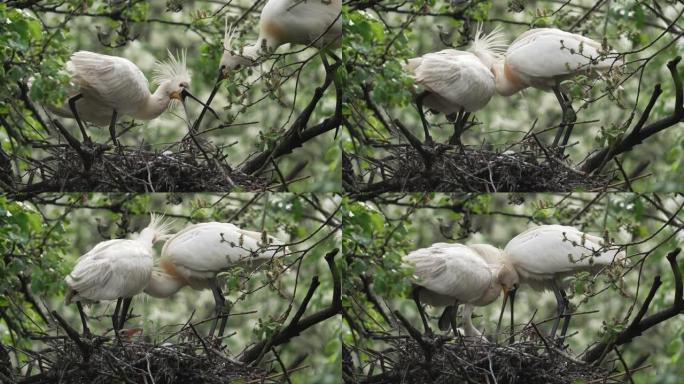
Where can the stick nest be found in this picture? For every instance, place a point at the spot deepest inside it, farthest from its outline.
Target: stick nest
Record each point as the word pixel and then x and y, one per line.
pixel 527 362
pixel 139 362
pixel 138 170
pixel 472 169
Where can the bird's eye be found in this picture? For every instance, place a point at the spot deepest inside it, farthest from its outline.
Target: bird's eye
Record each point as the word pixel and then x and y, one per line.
pixel 183 85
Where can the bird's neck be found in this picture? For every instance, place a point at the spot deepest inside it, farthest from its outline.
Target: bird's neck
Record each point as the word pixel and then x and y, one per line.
pixel 507 82
pixel 162 284
pixel 154 105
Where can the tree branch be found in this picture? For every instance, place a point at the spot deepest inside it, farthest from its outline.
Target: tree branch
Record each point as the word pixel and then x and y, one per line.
pixel 298 133
pixel 640 324
pixel 640 133
pixel 297 325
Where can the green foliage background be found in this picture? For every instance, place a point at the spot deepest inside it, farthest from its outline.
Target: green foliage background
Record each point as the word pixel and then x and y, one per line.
pixel 378 233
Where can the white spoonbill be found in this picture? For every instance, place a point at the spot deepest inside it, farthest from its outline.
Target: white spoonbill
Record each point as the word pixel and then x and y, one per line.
pixel 115 270
pixel 452 274
pixel 104 87
pixel 457 83
pixel 544 57
pixel 315 22
pixel 198 253
pixel 545 255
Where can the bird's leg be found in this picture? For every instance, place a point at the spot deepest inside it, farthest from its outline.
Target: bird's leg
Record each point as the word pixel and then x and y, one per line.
pixel 84 322
pixel 112 128
pixel 568 119
pixel 460 126
pixel 218 308
pixel 115 316
pixel 423 317
pixel 511 293
pixel 566 319
pixel 224 319
pixel 419 104
pixel 124 311
pixel 72 106
pixel 561 300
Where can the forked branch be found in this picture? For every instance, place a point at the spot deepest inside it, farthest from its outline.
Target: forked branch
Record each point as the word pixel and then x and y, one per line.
pixel 298 324
pixel 640 131
pixel 640 323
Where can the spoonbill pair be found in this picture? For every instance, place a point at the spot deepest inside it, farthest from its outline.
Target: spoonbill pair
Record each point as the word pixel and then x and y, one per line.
pixel 122 268
pixel 541 257
pixel 458 83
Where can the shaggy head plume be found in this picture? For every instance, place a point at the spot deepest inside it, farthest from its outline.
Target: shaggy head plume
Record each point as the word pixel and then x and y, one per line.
pixel 488 47
pixel 159 227
pixel 173 69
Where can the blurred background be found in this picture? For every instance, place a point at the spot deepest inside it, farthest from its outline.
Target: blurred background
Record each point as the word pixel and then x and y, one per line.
pixel 379 232
pixel 42 239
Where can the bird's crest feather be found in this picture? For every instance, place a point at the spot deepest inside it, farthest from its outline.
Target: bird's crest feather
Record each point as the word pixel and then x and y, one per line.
pixel 159 225
pixel 492 43
pixel 174 69
pixel 228 36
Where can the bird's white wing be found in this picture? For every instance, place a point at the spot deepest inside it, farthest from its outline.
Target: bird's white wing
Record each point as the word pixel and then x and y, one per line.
pixel 458 77
pixel 452 270
pixel 112 269
pixel 549 249
pixel 213 247
pixel 548 53
pixel 114 81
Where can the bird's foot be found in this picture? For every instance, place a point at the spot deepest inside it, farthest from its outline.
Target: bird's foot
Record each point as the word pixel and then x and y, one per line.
pixel 455 140
pixel 429 142
pixel 87 141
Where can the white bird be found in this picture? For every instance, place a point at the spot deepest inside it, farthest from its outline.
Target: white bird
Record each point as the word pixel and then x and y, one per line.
pixel 104 87
pixel 455 82
pixel 546 255
pixel 452 274
pixel 542 58
pixel 316 23
pixel 115 270
pixel 198 253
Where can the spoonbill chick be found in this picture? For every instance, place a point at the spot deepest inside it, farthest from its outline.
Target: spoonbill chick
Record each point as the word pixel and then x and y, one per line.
pixel 455 82
pixel 447 275
pixel 316 23
pixel 104 87
pixel 115 270
pixel 544 57
pixel 546 255
pixel 198 253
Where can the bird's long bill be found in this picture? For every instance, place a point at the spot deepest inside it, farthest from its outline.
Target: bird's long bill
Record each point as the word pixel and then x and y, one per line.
pixel 503 308
pixel 187 115
pixel 187 93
